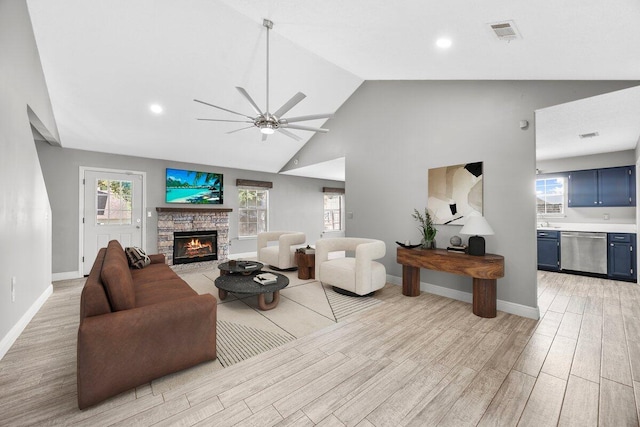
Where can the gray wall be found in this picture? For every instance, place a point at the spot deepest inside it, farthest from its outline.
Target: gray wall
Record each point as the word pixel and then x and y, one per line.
pixel 295 203
pixel 25 216
pixel 618 215
pixel 391 134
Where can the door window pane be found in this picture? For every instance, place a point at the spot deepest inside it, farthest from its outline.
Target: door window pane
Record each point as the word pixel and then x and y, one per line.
pixel 113 202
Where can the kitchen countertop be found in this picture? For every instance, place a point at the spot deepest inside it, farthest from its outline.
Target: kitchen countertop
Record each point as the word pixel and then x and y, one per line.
pixel 590 227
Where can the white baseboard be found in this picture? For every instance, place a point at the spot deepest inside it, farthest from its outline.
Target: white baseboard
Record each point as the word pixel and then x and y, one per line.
pixel 519 309
pixel 253 255
pixel 67 275
pixel 11 337
pixel 506 306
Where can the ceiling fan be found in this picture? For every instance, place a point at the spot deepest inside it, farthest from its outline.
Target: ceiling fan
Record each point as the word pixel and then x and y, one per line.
pixel 266 121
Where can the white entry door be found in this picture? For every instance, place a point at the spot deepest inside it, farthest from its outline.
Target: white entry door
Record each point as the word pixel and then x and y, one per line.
pixel 112 210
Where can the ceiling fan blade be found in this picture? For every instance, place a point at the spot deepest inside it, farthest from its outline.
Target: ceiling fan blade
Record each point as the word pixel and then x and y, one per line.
pixel 289 134
pixel 251 101
pixel 238 130
pixel 305 128
pixel 220 120
pixel 264 137
pixel 309 117
pixel 290 104
pixel 223 109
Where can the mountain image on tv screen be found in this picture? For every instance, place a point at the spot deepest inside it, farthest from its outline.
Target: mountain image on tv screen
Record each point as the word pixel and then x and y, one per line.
pixel 184 186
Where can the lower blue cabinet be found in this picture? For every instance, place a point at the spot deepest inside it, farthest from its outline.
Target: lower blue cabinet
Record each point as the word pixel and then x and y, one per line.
pixel 621 256
pixel 548 250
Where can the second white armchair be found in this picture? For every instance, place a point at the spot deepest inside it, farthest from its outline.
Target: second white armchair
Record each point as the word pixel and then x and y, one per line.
pixel 359 275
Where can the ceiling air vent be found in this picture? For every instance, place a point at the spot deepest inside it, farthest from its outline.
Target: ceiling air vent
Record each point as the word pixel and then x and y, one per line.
pixel 505 30
pixel 589 135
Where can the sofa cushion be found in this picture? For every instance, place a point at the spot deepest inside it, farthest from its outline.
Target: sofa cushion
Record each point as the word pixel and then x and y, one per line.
pixel 150 293
pixel 153 273
pixel 117 279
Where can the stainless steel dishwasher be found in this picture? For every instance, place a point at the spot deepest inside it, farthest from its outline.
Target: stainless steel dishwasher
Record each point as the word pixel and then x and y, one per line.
pixel 583 251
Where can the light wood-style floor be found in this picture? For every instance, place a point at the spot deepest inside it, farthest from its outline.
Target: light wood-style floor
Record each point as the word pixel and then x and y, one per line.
pixel 410 361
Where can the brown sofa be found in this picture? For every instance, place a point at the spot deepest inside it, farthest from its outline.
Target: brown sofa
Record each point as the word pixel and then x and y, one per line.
pixel 137 325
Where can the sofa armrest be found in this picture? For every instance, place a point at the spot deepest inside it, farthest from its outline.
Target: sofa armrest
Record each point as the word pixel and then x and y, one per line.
pixel 157 259
pixel 121 350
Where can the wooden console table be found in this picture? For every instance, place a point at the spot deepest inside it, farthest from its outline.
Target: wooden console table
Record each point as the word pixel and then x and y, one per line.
pixel 483 269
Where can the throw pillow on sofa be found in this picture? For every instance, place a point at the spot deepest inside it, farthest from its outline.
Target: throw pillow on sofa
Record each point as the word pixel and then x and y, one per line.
pixel 137 257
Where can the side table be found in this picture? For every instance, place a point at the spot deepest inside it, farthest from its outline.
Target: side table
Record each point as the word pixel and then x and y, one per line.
pixel 306 260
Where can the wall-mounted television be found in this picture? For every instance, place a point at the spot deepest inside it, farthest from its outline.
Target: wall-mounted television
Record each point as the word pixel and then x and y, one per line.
pixel 185 186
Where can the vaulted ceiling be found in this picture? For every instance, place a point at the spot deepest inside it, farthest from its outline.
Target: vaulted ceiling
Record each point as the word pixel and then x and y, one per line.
pixel 106 62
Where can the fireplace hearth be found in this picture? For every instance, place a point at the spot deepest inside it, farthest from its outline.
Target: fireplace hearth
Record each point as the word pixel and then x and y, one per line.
pixel 195 246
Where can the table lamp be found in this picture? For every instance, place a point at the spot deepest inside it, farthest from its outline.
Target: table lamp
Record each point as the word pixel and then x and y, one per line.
pixel 477 227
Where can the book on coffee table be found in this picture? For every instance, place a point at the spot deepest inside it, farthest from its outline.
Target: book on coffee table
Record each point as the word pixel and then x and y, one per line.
pixel 248 265
pixel 266 278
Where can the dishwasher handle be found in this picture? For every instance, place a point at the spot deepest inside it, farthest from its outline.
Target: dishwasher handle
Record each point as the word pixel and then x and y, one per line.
pixel 582 236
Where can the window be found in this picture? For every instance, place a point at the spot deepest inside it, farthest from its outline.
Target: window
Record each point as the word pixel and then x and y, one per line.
pixel 550 196
pixel 333 206
pixel 253 211
pixel 113 202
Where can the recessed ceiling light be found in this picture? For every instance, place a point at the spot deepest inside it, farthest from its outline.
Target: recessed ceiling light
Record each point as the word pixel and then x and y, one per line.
pixel 156 108
pixel 444 43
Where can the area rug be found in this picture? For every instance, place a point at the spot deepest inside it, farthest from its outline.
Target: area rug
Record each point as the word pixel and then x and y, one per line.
pixel 344 306
pixel 238 342
pixel 244 331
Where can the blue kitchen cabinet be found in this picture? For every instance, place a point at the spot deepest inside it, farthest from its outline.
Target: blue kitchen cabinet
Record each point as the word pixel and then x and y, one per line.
pixel 621 257
pixel 548 250
pixel 583 188
pixel 602 187
pixel 616 186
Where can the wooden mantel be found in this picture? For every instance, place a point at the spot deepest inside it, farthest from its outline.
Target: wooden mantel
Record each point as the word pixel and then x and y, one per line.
pixel 192 209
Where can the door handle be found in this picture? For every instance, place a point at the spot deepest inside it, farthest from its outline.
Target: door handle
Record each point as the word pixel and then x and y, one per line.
pixel 137 226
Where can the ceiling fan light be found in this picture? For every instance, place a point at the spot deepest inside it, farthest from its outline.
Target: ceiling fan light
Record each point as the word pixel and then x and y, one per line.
pixel 267 130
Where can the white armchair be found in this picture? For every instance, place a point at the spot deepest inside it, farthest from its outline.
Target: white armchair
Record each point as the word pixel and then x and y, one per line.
pixel 360 275
pixel 282 255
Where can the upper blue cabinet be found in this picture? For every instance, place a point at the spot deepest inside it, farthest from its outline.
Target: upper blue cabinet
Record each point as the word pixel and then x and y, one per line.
pixel 583 188
pixel 603 187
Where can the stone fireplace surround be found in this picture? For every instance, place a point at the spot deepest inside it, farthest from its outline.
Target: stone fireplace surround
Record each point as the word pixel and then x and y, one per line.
pixel 192 219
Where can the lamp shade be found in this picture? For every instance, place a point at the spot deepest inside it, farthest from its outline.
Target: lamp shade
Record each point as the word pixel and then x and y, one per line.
pixel 477 226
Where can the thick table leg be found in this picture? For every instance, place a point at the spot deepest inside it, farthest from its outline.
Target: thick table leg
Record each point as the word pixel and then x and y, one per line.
pixel 484 297
pixel 222 294
pixel 264 306
pixel 410 281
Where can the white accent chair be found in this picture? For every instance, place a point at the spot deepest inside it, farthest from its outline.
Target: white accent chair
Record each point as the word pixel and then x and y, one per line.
pixel 359 275
pixel 283 255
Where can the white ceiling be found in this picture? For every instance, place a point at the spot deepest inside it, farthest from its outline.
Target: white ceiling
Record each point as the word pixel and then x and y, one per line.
pixel 614 116
pixel 106 61
pixel 331 169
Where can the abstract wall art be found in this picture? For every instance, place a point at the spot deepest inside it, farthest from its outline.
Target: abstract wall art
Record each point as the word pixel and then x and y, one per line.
pixel 455 192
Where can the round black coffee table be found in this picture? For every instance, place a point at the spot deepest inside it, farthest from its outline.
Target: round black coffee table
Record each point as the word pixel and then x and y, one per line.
pixel 242 267
pixel 244 284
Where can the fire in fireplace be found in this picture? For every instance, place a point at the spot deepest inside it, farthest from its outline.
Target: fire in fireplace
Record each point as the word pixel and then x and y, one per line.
pixel 195 246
